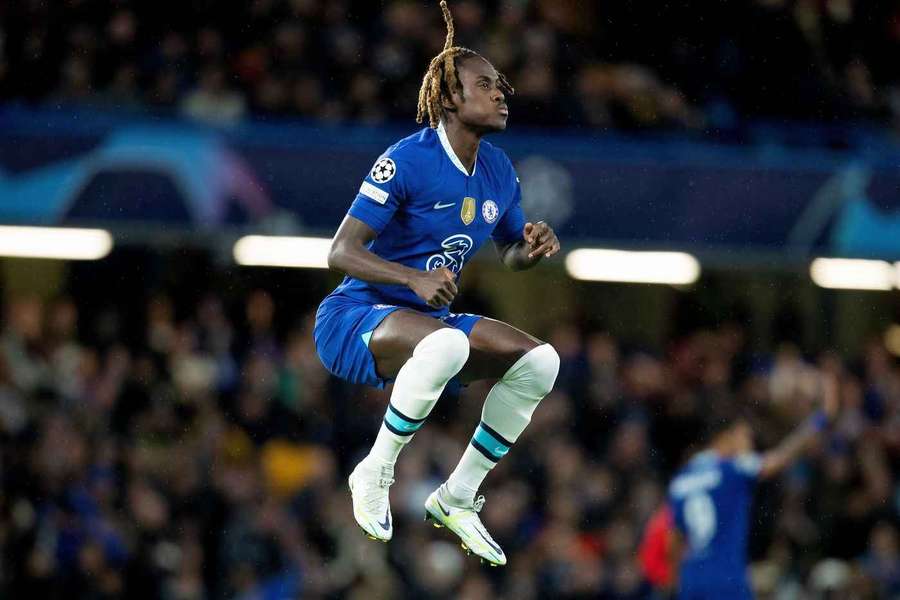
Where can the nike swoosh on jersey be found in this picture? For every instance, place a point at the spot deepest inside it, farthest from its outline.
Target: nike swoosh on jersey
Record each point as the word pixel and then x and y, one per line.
pixel 438 205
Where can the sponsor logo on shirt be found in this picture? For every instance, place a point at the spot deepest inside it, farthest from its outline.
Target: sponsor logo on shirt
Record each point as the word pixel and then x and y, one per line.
pixel 454 253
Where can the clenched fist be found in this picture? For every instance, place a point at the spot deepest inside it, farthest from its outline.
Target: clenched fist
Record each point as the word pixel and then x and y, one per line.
pixel 437 288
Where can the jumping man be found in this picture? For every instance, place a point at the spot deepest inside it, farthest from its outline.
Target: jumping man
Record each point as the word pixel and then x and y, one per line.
pixel 428 204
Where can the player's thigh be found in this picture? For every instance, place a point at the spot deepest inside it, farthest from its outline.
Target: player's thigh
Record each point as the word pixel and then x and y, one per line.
pixel 495 346
pixel 395 338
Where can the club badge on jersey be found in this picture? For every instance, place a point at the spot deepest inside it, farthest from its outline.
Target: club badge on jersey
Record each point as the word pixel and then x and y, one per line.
pixel 489 211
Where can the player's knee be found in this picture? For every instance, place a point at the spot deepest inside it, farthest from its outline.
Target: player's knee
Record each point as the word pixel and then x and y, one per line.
pixel 446 348
pixel 538 370
pixel 546 367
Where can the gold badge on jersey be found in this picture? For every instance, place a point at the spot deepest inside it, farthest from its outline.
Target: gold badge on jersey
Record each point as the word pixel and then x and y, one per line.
pixel 467 213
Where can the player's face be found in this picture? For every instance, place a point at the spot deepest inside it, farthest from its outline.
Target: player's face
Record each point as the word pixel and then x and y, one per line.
pixel 482 106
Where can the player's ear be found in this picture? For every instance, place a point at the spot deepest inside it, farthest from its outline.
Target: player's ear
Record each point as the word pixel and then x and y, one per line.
pixel 449 104
pixel 456 97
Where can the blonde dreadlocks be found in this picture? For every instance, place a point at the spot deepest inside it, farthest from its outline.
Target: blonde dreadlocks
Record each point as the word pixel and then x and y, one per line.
pixel 441 76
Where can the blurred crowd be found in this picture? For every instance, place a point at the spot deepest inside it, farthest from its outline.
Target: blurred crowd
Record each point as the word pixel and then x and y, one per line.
pixel 629 65
pixel 205 457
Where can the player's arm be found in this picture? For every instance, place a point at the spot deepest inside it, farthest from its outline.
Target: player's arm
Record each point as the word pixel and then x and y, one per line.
pixel 521 244
pixel 538 241
pixel 782 456
pixel 350 254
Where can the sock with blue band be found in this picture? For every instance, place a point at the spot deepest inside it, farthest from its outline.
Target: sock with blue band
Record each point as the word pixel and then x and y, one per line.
pixel 438 357
pixel 507 411
pixel 491 444
pixel 399 424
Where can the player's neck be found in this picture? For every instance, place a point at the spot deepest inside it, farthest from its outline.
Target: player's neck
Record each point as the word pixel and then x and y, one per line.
pixel 722 449
pixel 464 143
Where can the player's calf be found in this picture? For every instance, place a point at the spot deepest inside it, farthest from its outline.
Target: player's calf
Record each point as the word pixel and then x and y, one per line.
pixel 507 411
pixel 435 360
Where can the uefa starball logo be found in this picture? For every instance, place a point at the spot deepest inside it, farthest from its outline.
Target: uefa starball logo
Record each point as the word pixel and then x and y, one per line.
pixel 384 170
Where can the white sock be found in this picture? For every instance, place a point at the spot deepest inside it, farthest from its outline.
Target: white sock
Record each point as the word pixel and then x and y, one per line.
pixel 435 360
pixel 507 411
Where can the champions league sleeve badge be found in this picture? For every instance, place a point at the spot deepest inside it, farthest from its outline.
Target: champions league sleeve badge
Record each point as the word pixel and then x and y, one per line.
pixel 384 170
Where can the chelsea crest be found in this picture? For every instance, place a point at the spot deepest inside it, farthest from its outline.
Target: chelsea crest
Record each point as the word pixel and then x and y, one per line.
pixel 489 211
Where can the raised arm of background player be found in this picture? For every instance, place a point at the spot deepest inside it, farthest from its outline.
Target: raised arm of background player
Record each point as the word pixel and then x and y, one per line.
pixel 784 454
pixel 349 254
pixel 775 460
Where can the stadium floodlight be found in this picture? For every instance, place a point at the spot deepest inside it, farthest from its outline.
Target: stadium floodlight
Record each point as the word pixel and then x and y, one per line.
pixel 852 274
pixel 282 251
pixel 54 242
pixel 598 264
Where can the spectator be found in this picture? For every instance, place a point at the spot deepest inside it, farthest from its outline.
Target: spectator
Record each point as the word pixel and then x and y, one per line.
pixel 212 101
pixel 573 63
pixel 205 460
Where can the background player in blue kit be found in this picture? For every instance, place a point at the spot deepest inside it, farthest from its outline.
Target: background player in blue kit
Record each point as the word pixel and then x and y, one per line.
pixel 430 201
pixel 711 497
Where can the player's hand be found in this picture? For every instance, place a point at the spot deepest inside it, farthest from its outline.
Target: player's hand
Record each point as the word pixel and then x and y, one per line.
pixel 437 288
pixel 541 240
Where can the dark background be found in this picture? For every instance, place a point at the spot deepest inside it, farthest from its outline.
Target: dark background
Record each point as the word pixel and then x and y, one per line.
pixel 166 428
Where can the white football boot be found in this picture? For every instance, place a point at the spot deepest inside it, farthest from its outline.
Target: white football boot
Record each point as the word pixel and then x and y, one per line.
pixel 464 522
pixel 371 505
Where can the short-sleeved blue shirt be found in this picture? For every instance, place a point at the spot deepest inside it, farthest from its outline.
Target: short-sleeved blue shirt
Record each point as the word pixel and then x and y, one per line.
pixel 429 212
pixel 711 499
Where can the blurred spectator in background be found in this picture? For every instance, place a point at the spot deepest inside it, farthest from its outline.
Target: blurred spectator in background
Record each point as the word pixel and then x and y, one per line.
pixel 211 101
pixel 205 460
pixel 196 449
pixel 606 65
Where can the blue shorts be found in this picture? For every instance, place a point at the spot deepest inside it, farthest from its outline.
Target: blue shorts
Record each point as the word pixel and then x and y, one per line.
pixel 343 329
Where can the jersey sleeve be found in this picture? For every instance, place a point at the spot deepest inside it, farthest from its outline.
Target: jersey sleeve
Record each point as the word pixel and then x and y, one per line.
pixel 509 227
pixel 747 466
pixel 384 190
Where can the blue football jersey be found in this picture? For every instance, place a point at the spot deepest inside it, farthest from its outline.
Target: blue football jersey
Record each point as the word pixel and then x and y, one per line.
pixel 429 212
pixel 711 499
